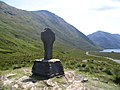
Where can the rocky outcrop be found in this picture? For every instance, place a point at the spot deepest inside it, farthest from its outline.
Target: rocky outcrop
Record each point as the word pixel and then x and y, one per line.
pixel 21 79
pixel 70 81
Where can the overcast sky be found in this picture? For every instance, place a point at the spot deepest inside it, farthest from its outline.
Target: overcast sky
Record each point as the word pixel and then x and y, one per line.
pixel 87 16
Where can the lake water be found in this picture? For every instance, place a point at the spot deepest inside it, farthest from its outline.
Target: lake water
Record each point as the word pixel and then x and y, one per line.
pixel 110 50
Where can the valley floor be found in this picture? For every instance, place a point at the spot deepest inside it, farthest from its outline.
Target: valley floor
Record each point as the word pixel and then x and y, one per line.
pixel 99 55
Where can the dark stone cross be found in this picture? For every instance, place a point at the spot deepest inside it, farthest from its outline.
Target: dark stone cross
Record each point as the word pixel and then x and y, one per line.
pixel 48 38
pixel 47 67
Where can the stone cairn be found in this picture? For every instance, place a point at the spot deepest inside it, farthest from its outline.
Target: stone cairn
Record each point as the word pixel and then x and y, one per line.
pixel 47 67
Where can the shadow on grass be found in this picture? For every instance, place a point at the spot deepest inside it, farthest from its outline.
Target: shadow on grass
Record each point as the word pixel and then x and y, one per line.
pixel 39 78
pixel 35 78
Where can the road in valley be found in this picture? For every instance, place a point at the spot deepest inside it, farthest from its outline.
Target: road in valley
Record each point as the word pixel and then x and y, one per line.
pixel 118 61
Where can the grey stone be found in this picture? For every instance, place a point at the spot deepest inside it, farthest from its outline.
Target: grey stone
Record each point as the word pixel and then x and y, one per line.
pixel 48 38
pixel 47 69
pixel 97 79
pixel 85 61
pixel 84 80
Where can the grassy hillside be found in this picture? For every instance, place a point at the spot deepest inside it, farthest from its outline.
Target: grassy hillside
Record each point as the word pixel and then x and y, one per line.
pixel 22 27
pixel 20 40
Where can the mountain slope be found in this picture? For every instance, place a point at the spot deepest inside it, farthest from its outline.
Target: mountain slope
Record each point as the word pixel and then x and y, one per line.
pixel 20 30
pixel 105 40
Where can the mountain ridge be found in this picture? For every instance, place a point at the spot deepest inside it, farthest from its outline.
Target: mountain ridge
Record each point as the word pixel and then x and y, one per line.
pixel 26 26
pixel 105 40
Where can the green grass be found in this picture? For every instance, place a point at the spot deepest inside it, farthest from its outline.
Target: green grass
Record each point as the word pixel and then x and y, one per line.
pixel 97 66
pixel 73 59
pixel 20 44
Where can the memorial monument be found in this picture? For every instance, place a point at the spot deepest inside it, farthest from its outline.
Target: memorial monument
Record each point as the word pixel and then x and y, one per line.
pixel 48 38
pixel 47 67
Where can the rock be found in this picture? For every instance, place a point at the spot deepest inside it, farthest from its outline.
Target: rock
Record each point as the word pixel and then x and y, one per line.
pixel 97 79
pixel 33 88
pixel 10 75
pixel 46 88
pixel 76 85
pixel 6 81
pixel 56 86
pixel 70 76
pixel 50 83
pixel 15 87
pixel 84 80
pixel 69 82
pixel 27 85
pixel 23 78
pixel 84 60
pixel 79 77
pixel 48 68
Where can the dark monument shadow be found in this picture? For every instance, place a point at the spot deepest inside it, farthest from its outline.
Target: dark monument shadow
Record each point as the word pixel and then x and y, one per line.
pixel 38 78
pixel 35 78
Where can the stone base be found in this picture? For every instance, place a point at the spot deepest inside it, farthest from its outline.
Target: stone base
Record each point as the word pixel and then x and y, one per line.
pixel 47 68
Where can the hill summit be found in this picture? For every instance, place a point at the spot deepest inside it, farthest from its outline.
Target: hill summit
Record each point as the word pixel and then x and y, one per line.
pixel 105 40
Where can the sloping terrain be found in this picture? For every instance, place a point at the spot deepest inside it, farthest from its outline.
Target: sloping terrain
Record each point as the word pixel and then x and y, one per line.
pixel 105 40
pixel 20 36
pixel 20 30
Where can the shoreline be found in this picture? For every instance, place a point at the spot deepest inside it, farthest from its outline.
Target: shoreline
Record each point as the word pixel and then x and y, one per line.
pixel 117 61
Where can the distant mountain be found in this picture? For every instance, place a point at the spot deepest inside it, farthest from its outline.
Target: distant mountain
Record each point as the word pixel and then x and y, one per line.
pixel 105 40
pixel 20 31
